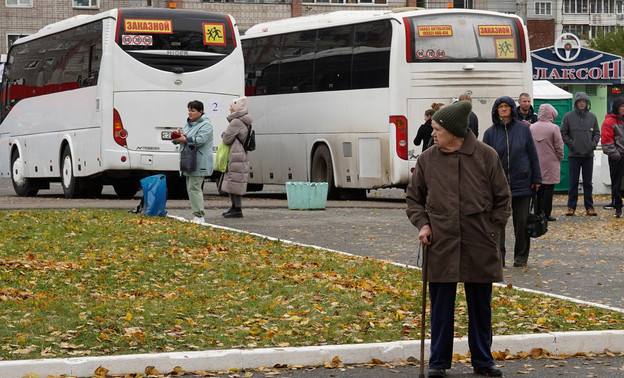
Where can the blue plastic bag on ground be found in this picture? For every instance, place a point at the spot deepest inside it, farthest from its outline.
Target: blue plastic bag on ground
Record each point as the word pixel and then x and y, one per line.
pixel 155 195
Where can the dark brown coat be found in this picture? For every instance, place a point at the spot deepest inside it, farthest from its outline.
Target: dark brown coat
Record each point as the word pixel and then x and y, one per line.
pixel 465 198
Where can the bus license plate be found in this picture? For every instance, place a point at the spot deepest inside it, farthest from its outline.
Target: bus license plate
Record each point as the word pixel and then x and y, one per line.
pixel 165 135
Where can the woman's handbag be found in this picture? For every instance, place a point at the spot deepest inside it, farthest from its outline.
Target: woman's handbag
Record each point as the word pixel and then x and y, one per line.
pixel 222 157
pixel 537 224
pixel 188 159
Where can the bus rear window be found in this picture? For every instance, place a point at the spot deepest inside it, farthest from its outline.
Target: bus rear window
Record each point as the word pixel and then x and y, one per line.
pixel 175 41
pixel 457 37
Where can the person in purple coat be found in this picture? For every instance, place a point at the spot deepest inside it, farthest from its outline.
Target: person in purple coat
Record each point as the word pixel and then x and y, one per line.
pixel 549 145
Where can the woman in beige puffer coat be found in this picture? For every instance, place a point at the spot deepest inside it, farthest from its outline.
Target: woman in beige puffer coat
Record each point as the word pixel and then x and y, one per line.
pixel 234 180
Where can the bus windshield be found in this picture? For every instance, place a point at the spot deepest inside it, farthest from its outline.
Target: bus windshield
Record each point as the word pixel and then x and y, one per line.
pixel 182 41
pixel 460 37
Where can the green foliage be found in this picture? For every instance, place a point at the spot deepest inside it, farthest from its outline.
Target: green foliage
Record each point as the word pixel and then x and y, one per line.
pixel 612 43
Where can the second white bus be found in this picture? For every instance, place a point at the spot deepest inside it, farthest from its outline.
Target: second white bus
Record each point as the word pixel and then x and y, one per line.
pixel 339 97
pixel 93 100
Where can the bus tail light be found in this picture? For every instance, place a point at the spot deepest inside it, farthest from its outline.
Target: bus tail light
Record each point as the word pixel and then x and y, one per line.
pixel 523 46
pixel 119 133
pixel 400 122
pixel 408 40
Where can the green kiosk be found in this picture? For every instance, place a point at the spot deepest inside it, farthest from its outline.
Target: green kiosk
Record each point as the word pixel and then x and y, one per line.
pixel 545 92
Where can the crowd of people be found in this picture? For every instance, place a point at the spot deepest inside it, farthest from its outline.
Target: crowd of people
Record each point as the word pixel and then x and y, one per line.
pixel 463 191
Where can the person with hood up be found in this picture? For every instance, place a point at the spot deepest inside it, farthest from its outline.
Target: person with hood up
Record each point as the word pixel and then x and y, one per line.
pixel 198 133
pixel 514 144
pixel 580 132
pixel 524 111
pixel 458 198
pixel 612 140
pixel 234 180
pixel 549 147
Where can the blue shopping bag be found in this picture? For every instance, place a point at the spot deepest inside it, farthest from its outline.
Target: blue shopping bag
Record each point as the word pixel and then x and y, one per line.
pixel 154 195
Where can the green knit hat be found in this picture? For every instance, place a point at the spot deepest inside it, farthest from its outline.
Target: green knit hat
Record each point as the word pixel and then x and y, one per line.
pixel 454 118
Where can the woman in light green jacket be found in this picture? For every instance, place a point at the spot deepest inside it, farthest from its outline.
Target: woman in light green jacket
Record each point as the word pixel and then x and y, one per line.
pixel 197 132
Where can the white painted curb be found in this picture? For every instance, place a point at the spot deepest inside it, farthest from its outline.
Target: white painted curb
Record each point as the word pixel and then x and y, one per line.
pixel 223 360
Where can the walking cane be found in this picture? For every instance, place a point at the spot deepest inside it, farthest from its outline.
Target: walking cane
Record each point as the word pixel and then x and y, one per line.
pixel 422 314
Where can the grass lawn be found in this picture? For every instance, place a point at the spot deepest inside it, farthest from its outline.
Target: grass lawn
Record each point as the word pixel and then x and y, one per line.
pixel 105 282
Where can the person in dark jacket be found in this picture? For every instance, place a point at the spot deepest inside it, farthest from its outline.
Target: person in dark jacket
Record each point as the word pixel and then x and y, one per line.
pixel 580 132
pixel 473 120
pixel 458 198
pixel 612 140
pixel 524 111
pixel 424 131
pixel 514 143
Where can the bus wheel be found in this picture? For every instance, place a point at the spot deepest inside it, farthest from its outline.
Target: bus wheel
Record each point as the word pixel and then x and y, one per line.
pixel 323 171
pixel 255 187
pixel 69 182
pixel 23 186
pixel 176 187
pixel 92 188
pixel 126 189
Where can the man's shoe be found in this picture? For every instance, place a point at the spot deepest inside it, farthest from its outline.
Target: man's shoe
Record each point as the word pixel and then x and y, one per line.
pixel 236 213
pixel 618 213
pixel 520 265
pixel 489 371
pixel 551 219
pixel 591 212
pixel 436 373
pixel 610 206
pixel 570 212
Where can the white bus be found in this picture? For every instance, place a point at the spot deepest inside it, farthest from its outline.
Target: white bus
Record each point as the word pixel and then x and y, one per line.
pixel 92 100
pixel 339 97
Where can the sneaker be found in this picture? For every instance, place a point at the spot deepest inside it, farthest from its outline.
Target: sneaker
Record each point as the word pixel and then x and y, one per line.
pixel 618 213
pixel 570 212
pixel 199 220
pixel 591 212
pixel 610 206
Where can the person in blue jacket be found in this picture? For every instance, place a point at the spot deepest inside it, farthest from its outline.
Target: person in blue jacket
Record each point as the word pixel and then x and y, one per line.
pixel 514 144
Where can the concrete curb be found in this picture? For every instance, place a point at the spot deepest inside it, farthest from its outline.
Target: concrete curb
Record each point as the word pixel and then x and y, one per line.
pixel 224 360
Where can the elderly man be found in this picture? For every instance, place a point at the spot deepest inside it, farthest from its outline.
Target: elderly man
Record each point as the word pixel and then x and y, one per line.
pixel 459 200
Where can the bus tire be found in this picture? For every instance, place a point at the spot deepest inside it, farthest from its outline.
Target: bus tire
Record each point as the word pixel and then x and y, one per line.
pixel 323 170
pixel 22 186
pixel 176 187
pixel 126 188
pixel 255 187
pixel 69 182
pixel 92 188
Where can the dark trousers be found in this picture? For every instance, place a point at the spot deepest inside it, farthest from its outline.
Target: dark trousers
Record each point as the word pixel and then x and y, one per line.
pixel 544 199
pixel 479 300
pixel 575 165
pixel 520 213
pixel 616 169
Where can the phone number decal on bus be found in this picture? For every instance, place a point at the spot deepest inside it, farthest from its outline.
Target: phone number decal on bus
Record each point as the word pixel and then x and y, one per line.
pixel 494 30
pixel 148 26
pixel 435 31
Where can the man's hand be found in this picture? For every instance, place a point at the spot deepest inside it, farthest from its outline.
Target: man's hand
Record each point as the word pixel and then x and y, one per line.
pixel 424 235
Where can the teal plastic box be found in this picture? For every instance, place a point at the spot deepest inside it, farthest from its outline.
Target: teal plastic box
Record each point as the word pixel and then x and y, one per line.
pixel 306 195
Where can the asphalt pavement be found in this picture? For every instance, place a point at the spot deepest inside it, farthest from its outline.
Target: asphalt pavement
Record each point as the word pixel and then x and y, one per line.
pixel 580 258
